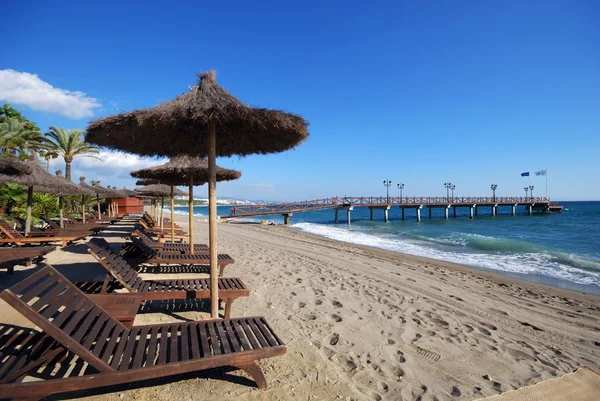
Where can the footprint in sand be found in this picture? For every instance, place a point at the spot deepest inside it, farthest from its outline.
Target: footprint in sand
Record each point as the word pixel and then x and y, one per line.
pixel 337 304
pixel 469 328
pixel 484 331
pixel 440 322
pixel 531 325
pixel 401 357
pixel 318 302
pixel 336 318
pixel 335 338
pixel 311 317
pixel 455 392
pixel 489 326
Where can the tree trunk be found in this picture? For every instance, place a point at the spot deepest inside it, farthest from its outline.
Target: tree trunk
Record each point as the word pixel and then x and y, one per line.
pixel 28 216
pixel 68 169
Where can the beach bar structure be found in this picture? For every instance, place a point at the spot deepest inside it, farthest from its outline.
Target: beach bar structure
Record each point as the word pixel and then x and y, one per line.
pixel 449 205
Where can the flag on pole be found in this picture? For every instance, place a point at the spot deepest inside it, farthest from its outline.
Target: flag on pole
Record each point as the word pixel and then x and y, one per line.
pixel 525 174
pixel 541 172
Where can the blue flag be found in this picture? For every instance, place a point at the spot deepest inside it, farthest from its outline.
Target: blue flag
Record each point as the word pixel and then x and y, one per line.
pixel 525 174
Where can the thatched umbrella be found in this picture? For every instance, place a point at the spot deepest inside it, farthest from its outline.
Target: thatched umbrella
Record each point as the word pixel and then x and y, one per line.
pixel 206 121
pixel 161 191
pixel 72 190
pixel 185 170
pixel 38 177
pixel 101 193
pixel 12 166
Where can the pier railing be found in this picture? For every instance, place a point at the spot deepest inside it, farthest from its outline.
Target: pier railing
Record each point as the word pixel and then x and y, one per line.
pixel 378 201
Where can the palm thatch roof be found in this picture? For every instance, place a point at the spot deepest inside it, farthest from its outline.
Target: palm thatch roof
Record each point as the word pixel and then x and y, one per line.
pixel 180 126
pixel 12 166
pixel 159 190
pixel 179 169
pixel 128 192
pixel 101 191
pixel 73 188
pixel 147 181
pixel 38 178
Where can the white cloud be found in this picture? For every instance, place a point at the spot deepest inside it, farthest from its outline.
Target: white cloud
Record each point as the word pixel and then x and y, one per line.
pixel 261 185
pixel 112 165
pixel 28 89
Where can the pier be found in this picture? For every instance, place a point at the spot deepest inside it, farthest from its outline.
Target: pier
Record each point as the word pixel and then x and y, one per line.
pixel 449 205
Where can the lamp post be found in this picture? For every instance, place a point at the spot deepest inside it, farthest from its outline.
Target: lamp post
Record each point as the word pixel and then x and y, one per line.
pixel 447 185
pixel 526 189
pixel 452 189
pixel 531 193
pixel 493 187
pixel 387 185
pixel 400 187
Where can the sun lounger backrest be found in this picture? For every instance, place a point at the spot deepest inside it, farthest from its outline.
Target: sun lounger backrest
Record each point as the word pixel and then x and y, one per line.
pixel 114 264
pixel 8 231
pixel 64 312
pixel 51 223
pixel 144 247
pixel 146 238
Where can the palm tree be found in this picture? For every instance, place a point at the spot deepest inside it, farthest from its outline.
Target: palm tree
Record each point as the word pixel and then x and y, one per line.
pixel 69 144
pixel 47 155
pixel 16 138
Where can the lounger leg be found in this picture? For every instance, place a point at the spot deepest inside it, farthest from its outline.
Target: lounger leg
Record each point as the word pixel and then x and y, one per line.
pixel 107 279
pixel 254 371
pixel 228 303
pixel 221 269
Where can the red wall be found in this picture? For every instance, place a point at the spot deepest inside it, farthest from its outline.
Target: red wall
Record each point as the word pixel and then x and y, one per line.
pixel 130 205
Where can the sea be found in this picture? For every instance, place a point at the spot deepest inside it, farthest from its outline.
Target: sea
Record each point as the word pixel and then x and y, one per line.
pixel 558 249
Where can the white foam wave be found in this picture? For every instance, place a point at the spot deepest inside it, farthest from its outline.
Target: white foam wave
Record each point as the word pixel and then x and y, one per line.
pixel 523 263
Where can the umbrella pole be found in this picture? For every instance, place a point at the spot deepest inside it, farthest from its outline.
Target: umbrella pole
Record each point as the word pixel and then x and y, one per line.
pixel 28 216
pixel 212 220
pixel 83 208
pixel 191 214
pixel 162 206
pixel 98 204
pixel 172 216
pixel 60 211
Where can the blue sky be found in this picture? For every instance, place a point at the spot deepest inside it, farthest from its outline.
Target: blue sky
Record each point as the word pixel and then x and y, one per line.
pixel 416 92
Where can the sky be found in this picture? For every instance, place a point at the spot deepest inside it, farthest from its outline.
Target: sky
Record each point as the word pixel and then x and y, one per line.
pixel 422 93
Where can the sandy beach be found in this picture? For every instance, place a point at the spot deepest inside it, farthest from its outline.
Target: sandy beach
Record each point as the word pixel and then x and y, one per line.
pixel 366 324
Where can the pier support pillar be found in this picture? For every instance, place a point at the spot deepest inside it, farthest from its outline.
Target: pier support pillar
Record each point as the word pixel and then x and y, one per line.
pixel 402 213
pixel 418 213
pixel 476 211
pixel 386 216
pixel 371 211
pixel 348 210
pixel 514 210
pixel 336 216
pixel 454 211
pixel 286 218
pixel 530 210
pixel 494 210
pixel 471 211
pixel 446 212
pixel 430 212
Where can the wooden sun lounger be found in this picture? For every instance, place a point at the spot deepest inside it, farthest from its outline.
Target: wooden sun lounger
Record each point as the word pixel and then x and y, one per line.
pixel 12 256
pixel 72 325
pixel 92 229
pixel 154 256
pixel 70 219
pixel 230 288
pixel 9 235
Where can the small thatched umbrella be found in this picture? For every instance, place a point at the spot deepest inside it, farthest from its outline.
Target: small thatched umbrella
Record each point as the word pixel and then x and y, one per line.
pixel 185 170
pixel 101 192
pixel 206 121
pixel 38 177
pixel 73 190
pixel 161 191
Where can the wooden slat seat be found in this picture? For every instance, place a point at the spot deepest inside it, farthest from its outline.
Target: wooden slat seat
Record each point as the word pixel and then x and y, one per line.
pixel 170 247
pixel 72 324
pixel 230 288
pixel 72 227
pixel 12 256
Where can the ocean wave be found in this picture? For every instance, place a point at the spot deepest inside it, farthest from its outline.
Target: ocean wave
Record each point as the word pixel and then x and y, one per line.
pixel 487 252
